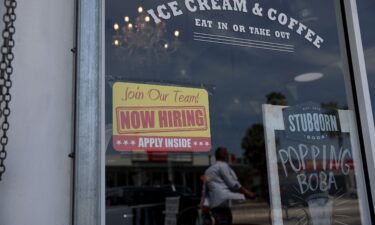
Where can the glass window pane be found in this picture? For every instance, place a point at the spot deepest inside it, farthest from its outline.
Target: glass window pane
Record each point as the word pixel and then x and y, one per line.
pixel 235 110
pixel 366 10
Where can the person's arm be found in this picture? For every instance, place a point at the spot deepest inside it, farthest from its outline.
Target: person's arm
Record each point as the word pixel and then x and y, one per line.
pixel 204 205
pixel 248 194
pixel 204 190
pixel 232 182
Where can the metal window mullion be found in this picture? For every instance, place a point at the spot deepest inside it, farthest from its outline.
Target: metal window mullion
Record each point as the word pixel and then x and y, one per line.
pixel 88 159
pixel 362 88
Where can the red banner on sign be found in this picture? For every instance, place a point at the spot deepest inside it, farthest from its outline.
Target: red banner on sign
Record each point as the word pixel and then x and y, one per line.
pixel 163 144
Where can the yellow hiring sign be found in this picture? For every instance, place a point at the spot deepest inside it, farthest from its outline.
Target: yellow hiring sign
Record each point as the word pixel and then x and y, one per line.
pixel 160 118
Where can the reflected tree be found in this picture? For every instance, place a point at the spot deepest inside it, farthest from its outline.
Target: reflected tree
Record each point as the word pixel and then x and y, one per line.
pixel 276 98
pixel 333 106
pixel 255 150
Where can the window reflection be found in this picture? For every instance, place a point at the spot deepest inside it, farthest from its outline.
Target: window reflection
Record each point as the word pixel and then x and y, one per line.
pixel 155 187
pixel 366 9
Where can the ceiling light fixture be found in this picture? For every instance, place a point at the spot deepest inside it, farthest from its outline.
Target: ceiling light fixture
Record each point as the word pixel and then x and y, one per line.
pixel 307 77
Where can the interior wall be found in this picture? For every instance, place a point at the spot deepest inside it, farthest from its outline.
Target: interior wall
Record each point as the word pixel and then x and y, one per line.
pixel 36 188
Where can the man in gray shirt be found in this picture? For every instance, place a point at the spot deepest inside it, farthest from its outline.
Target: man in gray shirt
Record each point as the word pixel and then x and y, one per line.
pixel 220 186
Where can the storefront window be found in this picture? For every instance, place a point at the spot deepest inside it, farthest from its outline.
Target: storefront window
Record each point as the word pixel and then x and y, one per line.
pixel 231 110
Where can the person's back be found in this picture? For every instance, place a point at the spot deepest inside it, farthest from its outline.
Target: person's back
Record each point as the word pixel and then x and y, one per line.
pixel 222 184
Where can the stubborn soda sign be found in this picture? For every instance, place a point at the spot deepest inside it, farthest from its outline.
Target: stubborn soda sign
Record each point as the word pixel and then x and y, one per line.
pixel 160 118
pixel 314 165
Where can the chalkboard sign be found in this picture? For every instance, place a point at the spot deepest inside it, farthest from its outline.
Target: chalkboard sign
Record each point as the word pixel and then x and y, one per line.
pixel 314 167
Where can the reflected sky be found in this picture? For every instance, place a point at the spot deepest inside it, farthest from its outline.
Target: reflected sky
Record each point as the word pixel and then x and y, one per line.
pixel 366 9
pixel 237 78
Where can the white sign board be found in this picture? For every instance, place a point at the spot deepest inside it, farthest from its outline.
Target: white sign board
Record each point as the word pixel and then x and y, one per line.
pixel 314 166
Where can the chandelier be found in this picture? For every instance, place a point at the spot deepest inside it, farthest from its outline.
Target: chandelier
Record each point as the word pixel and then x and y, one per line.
pixel 142 40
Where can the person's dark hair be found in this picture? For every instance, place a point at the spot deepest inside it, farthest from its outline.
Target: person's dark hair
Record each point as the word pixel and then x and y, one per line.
pixel 219 151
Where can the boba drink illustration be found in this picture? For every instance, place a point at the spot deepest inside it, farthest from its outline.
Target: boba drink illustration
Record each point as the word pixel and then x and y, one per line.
pixel 320 209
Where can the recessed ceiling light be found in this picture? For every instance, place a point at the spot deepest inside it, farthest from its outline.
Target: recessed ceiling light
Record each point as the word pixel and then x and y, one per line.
pixel 307 77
